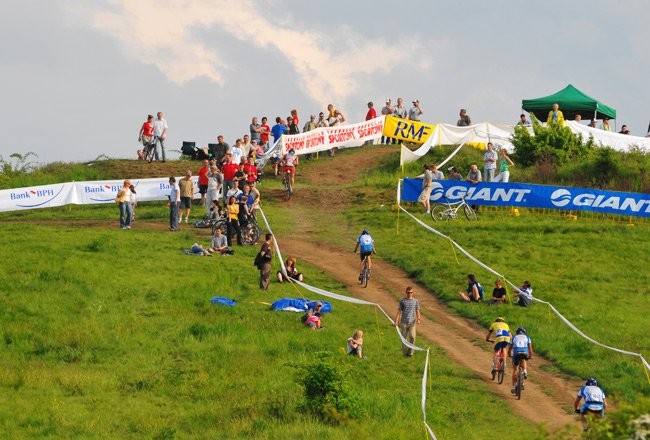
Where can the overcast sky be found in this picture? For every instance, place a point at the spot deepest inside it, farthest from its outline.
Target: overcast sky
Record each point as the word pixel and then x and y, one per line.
pixel 79 77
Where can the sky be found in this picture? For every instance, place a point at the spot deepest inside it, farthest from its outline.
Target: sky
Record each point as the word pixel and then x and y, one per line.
pixel 78 78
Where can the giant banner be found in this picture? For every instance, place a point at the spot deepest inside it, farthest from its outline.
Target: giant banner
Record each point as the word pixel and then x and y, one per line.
pixel 532 196
pixel 406 130
pixel 340 136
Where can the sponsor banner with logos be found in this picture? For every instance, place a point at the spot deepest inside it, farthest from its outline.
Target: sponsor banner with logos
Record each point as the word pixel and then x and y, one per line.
pixel 340 136
pixel 532 196
pixel 406 130
pixel 84 193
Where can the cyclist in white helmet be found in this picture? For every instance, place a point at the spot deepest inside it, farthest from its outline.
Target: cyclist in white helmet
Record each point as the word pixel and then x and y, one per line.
pixel 594 400
pixel 366 246
pixel 521 349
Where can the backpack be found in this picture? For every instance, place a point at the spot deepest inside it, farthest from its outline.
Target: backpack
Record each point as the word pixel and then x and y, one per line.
pixel 480 290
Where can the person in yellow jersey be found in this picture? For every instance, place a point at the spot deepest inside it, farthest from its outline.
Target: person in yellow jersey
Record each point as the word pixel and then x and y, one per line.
pixel 501 332
pixel 555 116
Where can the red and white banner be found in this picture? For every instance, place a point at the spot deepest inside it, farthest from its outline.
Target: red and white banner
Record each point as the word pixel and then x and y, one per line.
pixel 340 136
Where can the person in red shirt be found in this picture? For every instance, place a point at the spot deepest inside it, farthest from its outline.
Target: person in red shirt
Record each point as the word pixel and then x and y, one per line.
pixel 372 114
pixel 146 131
pixel 229 169
pixel 203 180
pixel 251 171
pixel 265 131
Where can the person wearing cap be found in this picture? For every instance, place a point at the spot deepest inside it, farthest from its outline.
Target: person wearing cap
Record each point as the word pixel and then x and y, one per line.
pixel 592 123
pixel 386 111
pixel 454 174
pixel 123 201
pixel 502 336
pixel 555 116
pixel 416 112
pixel 464 119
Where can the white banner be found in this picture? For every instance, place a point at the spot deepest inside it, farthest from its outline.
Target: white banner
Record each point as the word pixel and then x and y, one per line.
pixel 44 196
pixel 340 136
pixel 618 141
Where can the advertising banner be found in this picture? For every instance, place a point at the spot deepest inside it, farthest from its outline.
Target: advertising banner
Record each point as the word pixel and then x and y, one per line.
pixel 43 196
pixel 532 196
pixel 406 130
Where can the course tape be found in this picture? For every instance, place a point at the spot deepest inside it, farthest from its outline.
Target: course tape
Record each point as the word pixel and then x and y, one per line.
pixel 353 300
pixel 565 320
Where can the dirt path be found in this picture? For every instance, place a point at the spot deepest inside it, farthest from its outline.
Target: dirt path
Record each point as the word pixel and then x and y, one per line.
pixel 546 397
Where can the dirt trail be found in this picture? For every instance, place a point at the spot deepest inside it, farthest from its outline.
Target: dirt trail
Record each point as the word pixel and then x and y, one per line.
pixel 546 397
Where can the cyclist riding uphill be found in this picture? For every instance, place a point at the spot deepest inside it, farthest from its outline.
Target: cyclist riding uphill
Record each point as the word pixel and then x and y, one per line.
pixel 366 246
pixel 521 349
pixel 289 163
pixel 501 332
pixel 594 398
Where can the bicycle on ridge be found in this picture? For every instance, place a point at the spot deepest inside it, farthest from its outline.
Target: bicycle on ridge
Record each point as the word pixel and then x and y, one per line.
pixel 448 209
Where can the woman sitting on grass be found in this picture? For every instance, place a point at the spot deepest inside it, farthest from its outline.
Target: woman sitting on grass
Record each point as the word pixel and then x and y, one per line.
pixel 355 344
pixel 292 271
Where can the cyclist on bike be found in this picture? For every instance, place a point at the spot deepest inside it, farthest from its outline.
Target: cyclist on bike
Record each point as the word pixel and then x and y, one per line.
pixel 521 349
pixel 289 163
pixel 366 246
pixel 594 398
pixel 501 341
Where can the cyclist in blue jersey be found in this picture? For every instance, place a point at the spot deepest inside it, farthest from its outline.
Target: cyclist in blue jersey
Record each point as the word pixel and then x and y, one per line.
pixel 594 400
pixel 366 246
pixel 521 349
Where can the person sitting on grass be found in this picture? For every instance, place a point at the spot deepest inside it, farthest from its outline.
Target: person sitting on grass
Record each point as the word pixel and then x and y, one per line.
pixel 313 321
pixel 474 291
pixel 198 250
pixel 355 344
pixel 498 294
pixel 524 295
pixel 219 243
pixel 292 271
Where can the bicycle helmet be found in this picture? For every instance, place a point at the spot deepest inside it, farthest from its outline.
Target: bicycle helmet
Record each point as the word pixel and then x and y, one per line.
pixel 500 319
pixel 365 232
pixel 521 331
pixel 591 382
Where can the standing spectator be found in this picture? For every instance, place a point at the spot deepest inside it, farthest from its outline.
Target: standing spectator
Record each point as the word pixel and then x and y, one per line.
pixel 330 112
pixel 386 110
pixel 296 120
pixel 371 114
pixel 407 317
pixel 489 163
pixel 240 174
pixel 215 185
pixel 338 118
pixel 523 121
pixel 251 171
pixel 464 120
pixel 264 262
pixel 399 110
pixel 592 123
pixel 474 175
pixel 236 152
pixel 146 132
pixel 203 181
pixel 256 197
pixel 246 147
pixel 265 131
pixel 624 130
pixel 454 174
pixel 278 129
pixel 187 194
pixel 292 126
pixel 437 174
pixel 232 211
pixel 160 133
pixel 555 116
pixel 578 118
pixel 174 202
pixel 504 167
pixel 310 125
pixel 322 122
pixel 235 191
pixel 123 201
pixel 255 129
pixel 229 169
pixel 219 150
pixel 425 195
pixel 134 202
pixel 416 111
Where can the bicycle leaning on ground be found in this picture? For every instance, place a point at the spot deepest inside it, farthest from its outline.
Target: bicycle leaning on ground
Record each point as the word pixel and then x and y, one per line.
pixel 448 209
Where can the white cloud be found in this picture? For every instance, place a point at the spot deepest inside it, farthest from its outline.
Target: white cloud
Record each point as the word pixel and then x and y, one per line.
pixel 329 65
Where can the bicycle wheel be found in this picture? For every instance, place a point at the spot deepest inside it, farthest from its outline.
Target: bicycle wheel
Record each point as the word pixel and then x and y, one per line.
pixel 501 366
pixel 250 233
pixel 287 186
pixel 520 382
pixel 440 213
pixel 366 275
pixel 469 213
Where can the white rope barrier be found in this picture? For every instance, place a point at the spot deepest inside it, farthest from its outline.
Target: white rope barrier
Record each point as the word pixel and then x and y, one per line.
pixel 353 300
pixel 557 313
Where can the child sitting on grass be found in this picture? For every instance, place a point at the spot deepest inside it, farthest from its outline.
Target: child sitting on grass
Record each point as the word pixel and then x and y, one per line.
pixel 313 321
pixel 355 344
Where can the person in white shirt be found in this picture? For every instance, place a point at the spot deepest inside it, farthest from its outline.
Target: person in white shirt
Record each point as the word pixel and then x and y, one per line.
pixel 160 134
pixel 489 163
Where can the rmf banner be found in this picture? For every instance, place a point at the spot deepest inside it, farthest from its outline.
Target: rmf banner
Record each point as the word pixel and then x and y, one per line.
pixel 532 196
pixel 411 131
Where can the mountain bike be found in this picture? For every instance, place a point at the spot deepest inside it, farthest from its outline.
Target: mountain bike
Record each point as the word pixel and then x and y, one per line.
pixel 519 385
pixel 500 367
pixel 448 209
pixel 286 181
pixel 364 276
pixel 149 148
pixel 250 232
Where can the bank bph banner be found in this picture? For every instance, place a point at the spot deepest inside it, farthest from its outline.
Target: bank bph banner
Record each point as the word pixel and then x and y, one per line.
pixel 532 196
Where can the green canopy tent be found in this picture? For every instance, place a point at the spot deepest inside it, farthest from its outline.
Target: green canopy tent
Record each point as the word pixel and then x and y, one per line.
pixel 572 102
